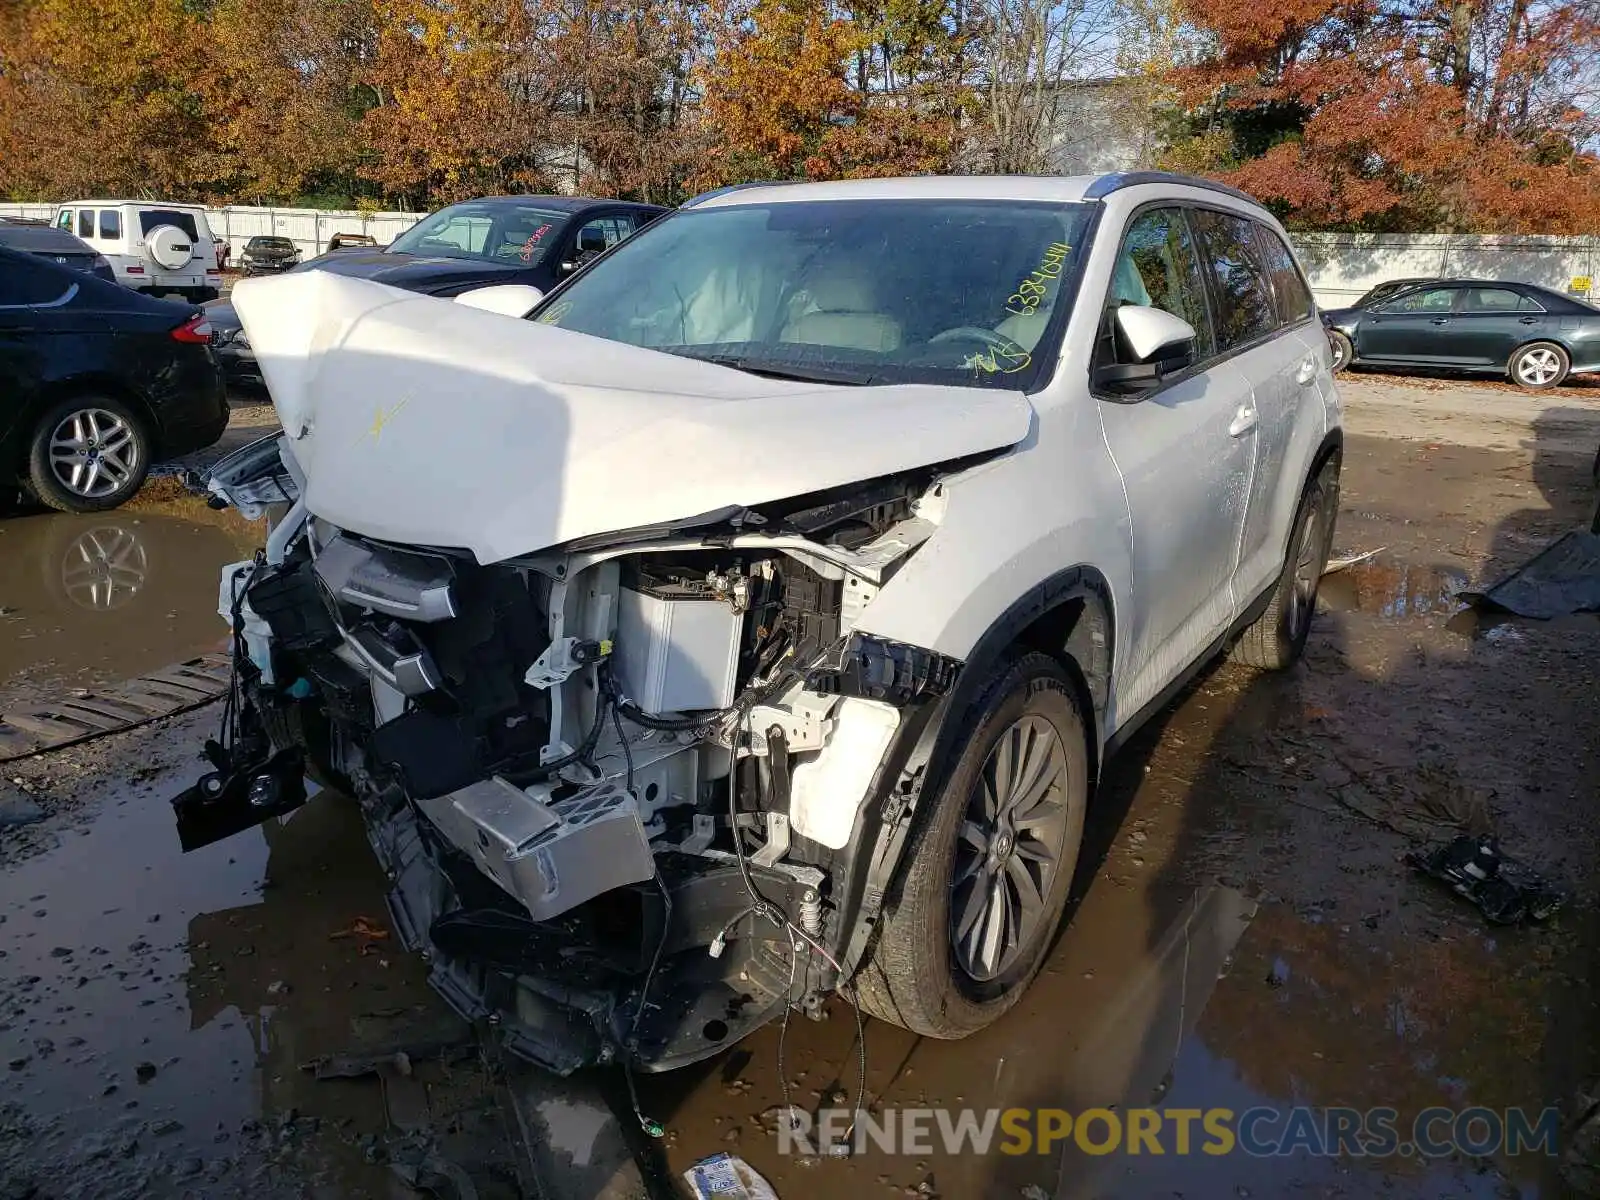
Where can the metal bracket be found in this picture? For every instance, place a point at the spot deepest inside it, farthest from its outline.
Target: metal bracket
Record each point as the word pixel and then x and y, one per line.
pixel 804 720
pixel 777 840
pixel 554 666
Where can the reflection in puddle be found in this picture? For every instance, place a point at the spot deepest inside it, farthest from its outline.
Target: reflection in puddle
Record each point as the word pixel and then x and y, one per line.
pixel 1393 591
pixel 99 598
pixel 155 1023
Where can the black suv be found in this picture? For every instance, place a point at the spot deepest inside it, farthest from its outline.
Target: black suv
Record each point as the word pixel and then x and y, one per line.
pixel 537 240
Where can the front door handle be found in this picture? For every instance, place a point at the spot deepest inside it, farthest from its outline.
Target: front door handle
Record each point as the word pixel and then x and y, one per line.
pixel 1243 421
pixel 1440 321
pixel 1307 371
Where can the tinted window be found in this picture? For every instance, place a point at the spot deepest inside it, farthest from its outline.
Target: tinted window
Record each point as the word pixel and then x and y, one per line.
pixel 1428 300
pixel 86 222
pixel 1159 266
pixel 1288 285
pixel 153 218
pixel 110 222
pixel 1497 300
pixel 1245 305
pixel 24 282
pixel 887 291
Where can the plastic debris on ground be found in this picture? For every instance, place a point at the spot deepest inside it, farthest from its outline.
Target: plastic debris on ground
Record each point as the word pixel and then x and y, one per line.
pixel 1504 890
pixel 727 1177
pixel 1562 579
pixel 1345 561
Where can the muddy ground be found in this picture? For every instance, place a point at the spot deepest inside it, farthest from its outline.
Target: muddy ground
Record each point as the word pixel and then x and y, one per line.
pixel 1244 932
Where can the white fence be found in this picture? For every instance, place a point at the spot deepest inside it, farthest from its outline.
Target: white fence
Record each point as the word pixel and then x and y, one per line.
pixel 1344 265
pixel 308 228
pixel 1341 265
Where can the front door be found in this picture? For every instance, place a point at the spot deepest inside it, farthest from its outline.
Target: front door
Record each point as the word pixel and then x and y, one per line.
pixel 1186 452
pixel 1415 328
pixel 1491 322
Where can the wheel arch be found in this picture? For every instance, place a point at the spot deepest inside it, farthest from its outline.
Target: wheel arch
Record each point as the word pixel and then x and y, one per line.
pixel 96 384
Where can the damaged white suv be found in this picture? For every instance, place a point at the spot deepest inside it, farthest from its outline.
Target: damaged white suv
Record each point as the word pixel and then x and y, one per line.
pixel 752 619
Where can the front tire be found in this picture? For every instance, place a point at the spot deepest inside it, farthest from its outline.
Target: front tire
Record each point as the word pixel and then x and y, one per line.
pixel 1278 637
pixel 1343 350
pixel 1539 366
pixel 990 867
pixel 88 455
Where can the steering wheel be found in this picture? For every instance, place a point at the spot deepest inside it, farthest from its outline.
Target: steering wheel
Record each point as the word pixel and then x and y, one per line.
pixel 996 341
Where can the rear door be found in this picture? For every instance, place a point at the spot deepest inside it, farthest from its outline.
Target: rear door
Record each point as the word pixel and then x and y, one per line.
pixel 1412 328
pixel 1491 322
pixel 1185 451
pixel 30 292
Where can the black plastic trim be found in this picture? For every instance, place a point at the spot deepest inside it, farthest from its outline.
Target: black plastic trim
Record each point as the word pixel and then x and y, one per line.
pixel 1106 185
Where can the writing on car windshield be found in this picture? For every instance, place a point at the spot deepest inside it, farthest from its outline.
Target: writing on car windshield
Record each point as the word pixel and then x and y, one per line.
pixel 865 291
pixel 499 232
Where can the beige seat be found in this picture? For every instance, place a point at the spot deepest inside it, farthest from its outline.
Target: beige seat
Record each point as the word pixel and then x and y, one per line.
pixel 840 310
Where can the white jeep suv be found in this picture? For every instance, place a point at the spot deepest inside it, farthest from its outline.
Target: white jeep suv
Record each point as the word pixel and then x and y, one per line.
pixel 753 618
pixel 152 247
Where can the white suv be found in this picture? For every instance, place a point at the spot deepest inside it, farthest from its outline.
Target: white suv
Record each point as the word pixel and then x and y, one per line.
pixel 154 248
pixel 753 620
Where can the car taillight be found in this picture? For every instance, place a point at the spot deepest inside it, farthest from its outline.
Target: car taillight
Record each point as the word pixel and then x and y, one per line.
pixel 196 330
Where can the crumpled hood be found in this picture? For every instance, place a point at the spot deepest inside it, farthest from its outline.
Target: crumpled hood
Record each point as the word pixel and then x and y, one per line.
pixel 419 420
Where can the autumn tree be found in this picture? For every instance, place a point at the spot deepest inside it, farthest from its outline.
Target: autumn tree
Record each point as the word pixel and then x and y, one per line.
pixel 101 96
pixel 1403 114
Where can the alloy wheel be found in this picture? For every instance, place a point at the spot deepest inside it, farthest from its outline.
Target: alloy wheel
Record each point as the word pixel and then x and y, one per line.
pixel 1009 848
pixel 1307 574
pixel 1538 366
pixel 93 453
pixel 104 568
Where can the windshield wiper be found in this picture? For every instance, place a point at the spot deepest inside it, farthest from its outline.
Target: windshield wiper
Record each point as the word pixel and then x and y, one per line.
pixel 769 370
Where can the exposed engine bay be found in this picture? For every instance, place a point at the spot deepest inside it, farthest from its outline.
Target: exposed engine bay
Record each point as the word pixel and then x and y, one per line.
pixel 627 791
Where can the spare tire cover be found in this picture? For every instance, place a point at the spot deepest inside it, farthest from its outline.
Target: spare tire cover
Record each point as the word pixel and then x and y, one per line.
pixel 168 247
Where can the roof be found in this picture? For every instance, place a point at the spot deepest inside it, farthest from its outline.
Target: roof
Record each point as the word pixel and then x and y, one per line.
pixel 38 239
pixel 183 204
pixel 1062 189
pixel 559 203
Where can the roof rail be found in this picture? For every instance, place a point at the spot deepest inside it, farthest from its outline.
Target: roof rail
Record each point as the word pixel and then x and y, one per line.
pixel 694 201
pixel 1106 184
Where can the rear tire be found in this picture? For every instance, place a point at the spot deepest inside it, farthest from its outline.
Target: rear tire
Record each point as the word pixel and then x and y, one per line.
pixel 88 454
pixel 1539 366
pixel 1343 349
pixel 1028 743
pixel 1276 640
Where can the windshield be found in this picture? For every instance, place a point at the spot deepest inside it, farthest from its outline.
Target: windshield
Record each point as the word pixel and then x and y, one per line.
pixel 847 291
pixel 508 233
pixel 269 243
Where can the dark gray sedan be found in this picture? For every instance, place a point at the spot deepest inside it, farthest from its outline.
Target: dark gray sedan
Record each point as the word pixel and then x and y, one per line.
pixel 1535 335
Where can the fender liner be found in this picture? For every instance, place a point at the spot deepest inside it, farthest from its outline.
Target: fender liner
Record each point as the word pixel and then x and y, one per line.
pixel 865 871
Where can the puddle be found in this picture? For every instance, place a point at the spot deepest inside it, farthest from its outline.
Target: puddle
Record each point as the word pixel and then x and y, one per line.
pixel 153 1025
pixel 1393 591
pixel 88 600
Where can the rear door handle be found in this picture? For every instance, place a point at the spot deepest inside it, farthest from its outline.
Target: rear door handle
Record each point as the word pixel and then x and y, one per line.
pixel 1440 321
pixel 1243 421
pixel 1528 321
pixel 1307 371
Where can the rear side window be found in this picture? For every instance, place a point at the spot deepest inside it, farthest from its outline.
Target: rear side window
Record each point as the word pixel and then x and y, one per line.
pixel 1288 285
pixel 85 222
pixel 151 219
pixel 23 283
pixel 110 223
pixel 1159 265
pixel 1246 307
pixel 1498 300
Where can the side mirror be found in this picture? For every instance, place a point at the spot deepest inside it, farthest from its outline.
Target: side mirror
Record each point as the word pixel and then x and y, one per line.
pixel 507 299
pixel 1158 344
